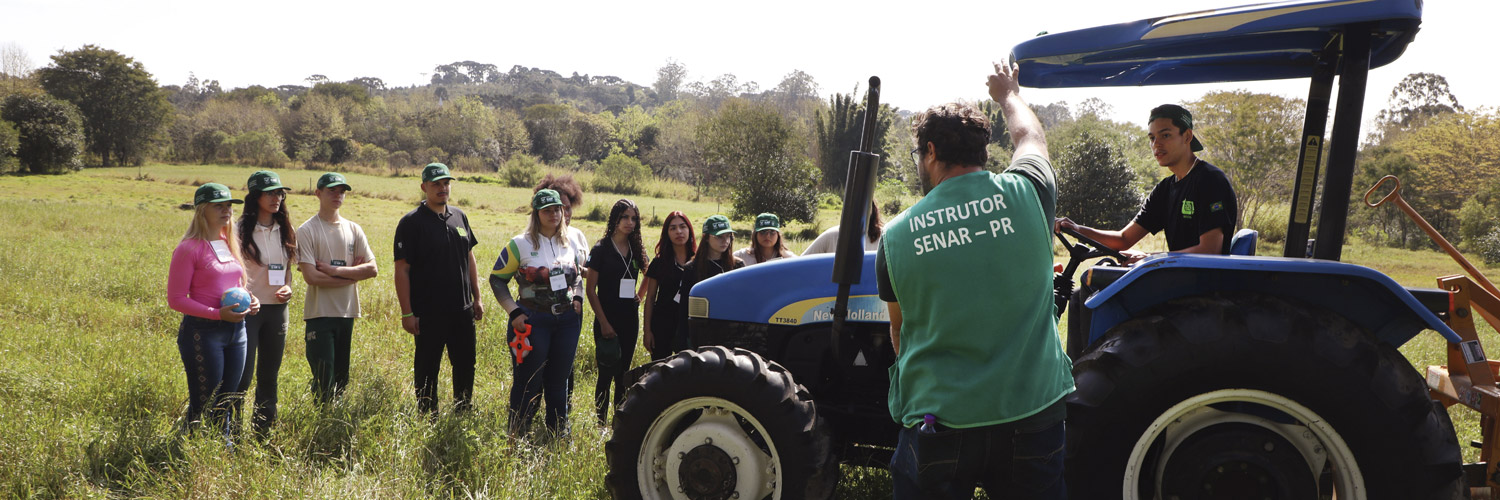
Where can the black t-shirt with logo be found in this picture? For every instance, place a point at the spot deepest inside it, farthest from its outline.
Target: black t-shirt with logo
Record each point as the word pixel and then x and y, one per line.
pixel 1186 208
pixel 606 260
pixel 437 249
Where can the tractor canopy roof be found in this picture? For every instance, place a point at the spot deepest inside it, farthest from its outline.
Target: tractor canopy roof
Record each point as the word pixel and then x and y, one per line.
pixel 1255 42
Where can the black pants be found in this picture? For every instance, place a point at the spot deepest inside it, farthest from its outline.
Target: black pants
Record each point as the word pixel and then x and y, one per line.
pixel 626 322
pixel 454 330
pixel 265 342
pixel 664 329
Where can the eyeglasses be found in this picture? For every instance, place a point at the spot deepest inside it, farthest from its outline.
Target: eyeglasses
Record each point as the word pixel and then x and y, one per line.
pixel 916 156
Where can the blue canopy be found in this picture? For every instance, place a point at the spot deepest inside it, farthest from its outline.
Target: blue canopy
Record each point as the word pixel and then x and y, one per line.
pixel 1255 42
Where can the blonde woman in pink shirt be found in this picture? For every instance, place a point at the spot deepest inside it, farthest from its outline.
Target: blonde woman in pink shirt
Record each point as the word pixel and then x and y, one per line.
pixel 212 338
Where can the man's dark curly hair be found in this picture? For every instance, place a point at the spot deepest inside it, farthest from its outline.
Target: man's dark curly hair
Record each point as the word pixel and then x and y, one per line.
pixel 958 131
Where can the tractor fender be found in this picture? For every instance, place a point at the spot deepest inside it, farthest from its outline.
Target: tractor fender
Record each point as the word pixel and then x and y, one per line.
pixel 1365 296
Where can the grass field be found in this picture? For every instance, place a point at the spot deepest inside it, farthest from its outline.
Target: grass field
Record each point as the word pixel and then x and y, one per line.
pixel 91 384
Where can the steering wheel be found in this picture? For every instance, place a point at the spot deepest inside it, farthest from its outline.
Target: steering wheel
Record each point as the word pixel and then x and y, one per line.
pixel 1086 248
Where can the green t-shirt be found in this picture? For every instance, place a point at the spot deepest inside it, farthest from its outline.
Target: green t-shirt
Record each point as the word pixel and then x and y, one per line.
pixel 971 266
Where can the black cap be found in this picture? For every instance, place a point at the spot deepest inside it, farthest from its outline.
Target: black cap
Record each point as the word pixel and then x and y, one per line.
pixel 1180 117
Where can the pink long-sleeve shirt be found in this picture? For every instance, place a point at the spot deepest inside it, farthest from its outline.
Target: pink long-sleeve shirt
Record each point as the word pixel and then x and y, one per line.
pixel 196 281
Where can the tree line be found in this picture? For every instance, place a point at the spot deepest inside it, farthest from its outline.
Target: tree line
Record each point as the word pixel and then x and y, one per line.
pixel 780 149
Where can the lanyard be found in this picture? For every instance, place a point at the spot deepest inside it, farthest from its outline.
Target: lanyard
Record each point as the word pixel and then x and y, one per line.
pixel 623 259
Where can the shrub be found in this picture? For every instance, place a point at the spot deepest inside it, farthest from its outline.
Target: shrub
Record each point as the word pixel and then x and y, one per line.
pixel 621 174
pixel 373 156
pixel 399 159
pixel 262 149
pixel 207 144
pixel 597 213
pixel 1475 220
pixel 469 164
pixel 1489 248
pixel 521 171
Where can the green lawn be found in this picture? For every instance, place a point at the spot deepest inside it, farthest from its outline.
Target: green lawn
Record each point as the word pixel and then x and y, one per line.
pixel 91 384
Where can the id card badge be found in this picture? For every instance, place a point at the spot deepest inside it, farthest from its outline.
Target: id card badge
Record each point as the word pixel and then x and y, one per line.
pixel 339 263
pixel 627 289
pixel 677 298
pixel 221 250
pixel 558 279
pixel 276 274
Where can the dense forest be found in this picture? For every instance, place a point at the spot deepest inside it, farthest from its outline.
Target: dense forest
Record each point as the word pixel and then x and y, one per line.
pixel 779 148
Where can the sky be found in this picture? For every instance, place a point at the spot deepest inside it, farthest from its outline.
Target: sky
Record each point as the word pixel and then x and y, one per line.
pixel 926 53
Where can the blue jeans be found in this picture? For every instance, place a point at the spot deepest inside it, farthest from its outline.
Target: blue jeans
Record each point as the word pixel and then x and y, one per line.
pixel 213 357
pixel 1018 460
pixel 545 373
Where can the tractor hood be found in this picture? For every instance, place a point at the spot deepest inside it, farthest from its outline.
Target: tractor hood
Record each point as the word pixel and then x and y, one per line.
pixel 1257 42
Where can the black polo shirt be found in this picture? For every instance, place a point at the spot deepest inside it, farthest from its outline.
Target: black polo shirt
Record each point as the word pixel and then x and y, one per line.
pixel 437 249
pixel 1198 203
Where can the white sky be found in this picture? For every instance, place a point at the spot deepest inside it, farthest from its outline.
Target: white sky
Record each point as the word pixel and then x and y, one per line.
pixel 925 52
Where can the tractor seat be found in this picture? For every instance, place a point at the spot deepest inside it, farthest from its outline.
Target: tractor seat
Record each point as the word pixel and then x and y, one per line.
pixel 1244 242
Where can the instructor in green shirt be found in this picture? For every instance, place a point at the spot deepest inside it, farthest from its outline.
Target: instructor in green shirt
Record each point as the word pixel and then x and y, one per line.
pixel 980 373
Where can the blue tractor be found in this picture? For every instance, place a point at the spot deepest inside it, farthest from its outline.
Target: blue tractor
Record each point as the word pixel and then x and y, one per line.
pixel 1236 376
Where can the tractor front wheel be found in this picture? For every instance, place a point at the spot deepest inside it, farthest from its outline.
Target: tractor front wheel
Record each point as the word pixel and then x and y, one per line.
pixel 716 423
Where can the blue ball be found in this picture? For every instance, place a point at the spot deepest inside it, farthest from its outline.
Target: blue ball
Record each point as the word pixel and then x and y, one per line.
pixel 239 297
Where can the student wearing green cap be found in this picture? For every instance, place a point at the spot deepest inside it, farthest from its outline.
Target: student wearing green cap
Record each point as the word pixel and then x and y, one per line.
pixel 1195 205
pixel 715 256
pixel 614 270
pixel 437 286
pixel 766 246
pixel 211 337
pixel 546 265
pixel 333 255
pixel 268 244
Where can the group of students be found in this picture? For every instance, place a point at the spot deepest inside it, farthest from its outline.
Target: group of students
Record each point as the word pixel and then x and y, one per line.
pixel 557 274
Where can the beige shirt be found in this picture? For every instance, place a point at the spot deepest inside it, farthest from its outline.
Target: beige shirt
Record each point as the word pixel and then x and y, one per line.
pixel 828 242
pixel 748 255
pixel 340 243
pixel 268 240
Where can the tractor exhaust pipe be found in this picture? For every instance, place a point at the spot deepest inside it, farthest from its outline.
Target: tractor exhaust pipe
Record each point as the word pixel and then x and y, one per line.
pixel 859 188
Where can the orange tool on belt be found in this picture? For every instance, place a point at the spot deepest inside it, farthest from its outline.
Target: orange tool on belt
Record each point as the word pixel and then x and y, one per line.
pixel 522 344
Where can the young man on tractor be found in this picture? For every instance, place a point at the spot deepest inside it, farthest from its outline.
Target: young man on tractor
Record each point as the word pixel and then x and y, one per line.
pixel 974 391
pixel 1195 204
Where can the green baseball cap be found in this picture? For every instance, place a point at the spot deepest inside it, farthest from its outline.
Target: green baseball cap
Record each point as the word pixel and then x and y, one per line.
pixel 545 198
pixel 333 179
pixel 716 225
pixel 264 180
pixel 435 172
pixel 213 192
pixel 1180 117
pixel 767 222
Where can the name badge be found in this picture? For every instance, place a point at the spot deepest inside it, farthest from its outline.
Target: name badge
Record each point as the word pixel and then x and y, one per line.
pixel 558 279
pixel 338 263
pixel 627 289
pixel 277 275
pixel 221 250
pixel 677 298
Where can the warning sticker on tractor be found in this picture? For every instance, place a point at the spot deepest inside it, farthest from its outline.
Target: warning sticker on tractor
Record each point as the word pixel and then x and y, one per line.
pixel 1473 352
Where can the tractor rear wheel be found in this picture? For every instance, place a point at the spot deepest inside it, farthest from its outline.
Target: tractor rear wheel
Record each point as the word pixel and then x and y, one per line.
pixel 716 423
pixel 1251 396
